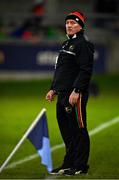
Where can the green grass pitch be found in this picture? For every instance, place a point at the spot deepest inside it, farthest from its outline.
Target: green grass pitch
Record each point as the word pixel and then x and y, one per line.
pixel 21 101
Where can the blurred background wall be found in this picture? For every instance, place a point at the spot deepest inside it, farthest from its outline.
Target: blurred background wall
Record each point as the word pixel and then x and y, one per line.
pixel 31 33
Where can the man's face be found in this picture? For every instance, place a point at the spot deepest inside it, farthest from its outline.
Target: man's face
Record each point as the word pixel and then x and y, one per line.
pixel 72 27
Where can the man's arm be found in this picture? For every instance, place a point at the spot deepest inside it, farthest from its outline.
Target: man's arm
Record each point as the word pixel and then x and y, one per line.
pixel 85 61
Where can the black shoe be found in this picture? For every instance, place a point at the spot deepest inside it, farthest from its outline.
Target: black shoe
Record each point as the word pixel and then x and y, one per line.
pixel 59 170
pixel 74 171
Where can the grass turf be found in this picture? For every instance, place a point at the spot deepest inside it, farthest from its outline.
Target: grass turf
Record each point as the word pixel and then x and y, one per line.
pixel 21 101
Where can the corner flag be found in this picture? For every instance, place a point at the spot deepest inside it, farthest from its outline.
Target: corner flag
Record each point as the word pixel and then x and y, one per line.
pixel 37 133
pixel 40 139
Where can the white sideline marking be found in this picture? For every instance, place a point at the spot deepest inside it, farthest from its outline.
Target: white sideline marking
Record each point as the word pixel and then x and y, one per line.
pixel 54 148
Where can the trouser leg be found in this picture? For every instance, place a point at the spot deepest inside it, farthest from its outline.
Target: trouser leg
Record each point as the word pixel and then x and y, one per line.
pixel 82 140
pixel 65 129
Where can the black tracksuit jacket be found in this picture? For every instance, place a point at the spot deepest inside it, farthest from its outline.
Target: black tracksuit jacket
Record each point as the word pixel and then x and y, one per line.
pixel 74 64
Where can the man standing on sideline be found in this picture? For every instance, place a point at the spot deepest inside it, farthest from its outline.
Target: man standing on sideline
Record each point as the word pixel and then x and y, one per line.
pixel 71 83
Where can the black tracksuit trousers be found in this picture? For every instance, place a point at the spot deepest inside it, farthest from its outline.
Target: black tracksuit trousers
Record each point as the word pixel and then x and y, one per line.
pixel 72 124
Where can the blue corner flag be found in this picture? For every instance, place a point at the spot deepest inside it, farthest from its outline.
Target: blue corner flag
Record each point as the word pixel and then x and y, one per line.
pixel 39 137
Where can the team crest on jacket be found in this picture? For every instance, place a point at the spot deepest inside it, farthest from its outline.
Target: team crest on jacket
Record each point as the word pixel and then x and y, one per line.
pixel 71 48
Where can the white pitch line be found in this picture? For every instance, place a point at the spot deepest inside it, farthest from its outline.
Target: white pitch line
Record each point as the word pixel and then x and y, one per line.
pixel 54 148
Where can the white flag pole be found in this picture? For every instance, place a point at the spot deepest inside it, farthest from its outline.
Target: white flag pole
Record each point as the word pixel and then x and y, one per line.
pixel 22 139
